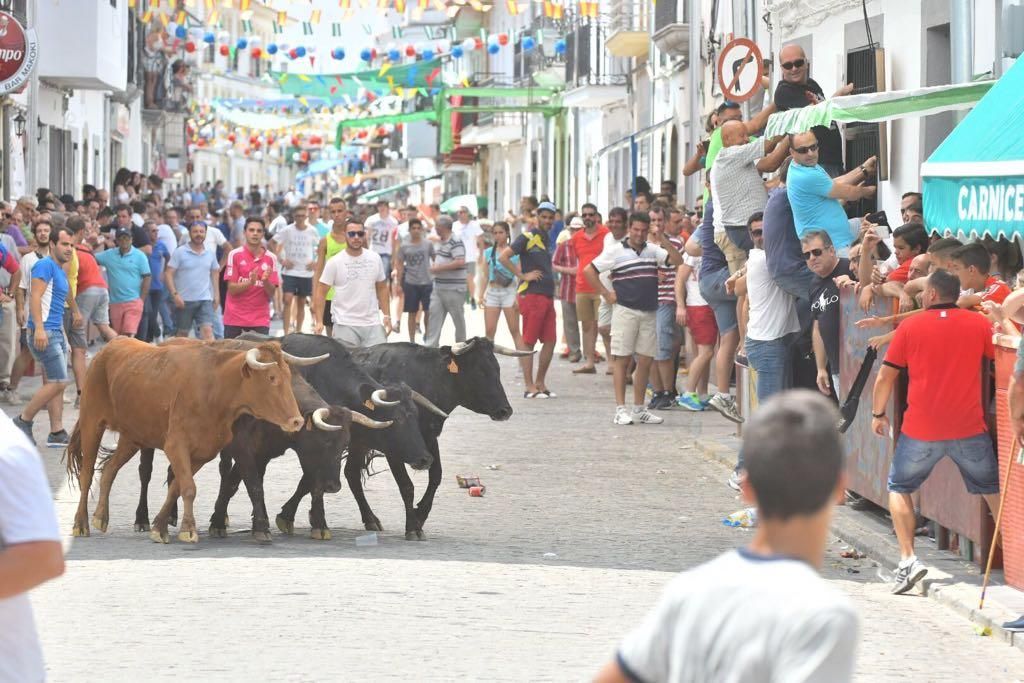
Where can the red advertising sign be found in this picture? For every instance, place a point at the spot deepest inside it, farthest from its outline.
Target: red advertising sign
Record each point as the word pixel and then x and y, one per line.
pixel 19 50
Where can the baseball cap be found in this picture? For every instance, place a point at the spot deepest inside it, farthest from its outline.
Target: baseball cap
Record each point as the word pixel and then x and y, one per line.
pixel 121 232
pixel 577 222
pixel 547 206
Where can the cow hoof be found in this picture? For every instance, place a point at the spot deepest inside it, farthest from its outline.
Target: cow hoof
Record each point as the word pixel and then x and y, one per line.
pixel 80 531
pixel 158 536
pixel 99 524
pixel 320 534
pixel 414 535
pixel 188 537
pixel 218 532
pixel 374 525
pixel 261 536
pixel 286 526
pixel 142 526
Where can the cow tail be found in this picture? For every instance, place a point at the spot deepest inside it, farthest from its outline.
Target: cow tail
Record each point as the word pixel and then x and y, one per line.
pixel 73 453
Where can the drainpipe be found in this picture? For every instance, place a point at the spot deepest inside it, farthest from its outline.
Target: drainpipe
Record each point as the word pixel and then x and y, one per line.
pixel 961 23
pixel 31 126
pixel 695 66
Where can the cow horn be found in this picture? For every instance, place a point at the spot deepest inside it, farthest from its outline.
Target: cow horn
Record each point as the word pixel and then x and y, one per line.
pixel 379 398
pixel 318 419
pixel 361 419
pixel 460 348
pixel 423 401
pixel 505 351
pixel 252 359
pixel 300 360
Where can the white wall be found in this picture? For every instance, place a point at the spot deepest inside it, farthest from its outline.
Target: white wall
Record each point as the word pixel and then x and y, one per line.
pixel 83 43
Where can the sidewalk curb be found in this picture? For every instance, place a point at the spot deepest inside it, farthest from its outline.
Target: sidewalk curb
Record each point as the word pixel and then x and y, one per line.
pixel 854 528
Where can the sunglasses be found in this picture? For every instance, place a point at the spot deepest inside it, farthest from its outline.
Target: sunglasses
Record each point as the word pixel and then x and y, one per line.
pixel 795 64
pixel 756 233
pixel 812 252
pixel 805 150
pixel 356 233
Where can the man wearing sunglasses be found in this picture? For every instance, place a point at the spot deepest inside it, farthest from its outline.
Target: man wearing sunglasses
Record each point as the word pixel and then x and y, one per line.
pixel 797 90
pixel 360 293
pixel 824 262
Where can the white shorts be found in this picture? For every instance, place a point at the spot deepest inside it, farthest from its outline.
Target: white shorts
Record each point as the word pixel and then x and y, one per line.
pixel 604 314
pixel 634 331
pixel 500 297
pixel 359 337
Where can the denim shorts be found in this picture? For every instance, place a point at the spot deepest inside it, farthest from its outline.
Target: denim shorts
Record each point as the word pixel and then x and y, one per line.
pixel 667 330
pixel 712 288
pixel 914 460
pixel 195 312
pixel 54 358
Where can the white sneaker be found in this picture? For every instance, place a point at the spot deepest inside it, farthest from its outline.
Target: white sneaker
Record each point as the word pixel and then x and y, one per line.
pixel 907 575
pixel 623 416
pixel 734 481
pixel 726 405
pixel 643 416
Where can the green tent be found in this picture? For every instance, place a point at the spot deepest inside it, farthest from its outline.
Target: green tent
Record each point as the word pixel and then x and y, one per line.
pixel 973 183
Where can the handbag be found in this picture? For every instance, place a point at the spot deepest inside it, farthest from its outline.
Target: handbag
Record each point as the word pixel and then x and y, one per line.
pixel 500 279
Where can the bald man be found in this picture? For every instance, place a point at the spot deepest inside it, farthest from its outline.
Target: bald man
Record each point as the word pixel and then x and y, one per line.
pixel 738 188
pixel 797 90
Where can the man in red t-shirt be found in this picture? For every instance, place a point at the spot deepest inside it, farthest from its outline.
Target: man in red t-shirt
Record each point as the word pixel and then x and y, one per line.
pixel 588 243
pixel 944 414
pixel 251 274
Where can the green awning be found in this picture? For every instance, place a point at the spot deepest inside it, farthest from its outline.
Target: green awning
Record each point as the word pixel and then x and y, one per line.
pixel 376 194
pixel 878 107
pixel 973 183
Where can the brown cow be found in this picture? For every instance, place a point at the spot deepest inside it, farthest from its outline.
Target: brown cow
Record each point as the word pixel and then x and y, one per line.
pixel 182 399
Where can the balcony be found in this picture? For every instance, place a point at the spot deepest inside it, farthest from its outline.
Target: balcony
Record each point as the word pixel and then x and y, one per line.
pixel 628 34
pixel 672 27
pixel 99 63
pixel 593 79
pixel 494 129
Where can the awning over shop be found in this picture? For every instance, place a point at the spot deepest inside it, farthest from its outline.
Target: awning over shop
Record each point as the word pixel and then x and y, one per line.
pixel 973 183
pixel 376 194
pixel 878 107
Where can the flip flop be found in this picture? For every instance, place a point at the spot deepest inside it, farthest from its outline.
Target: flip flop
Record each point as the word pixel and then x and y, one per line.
pixel 531 394
pixel 546 393
pixel 585 371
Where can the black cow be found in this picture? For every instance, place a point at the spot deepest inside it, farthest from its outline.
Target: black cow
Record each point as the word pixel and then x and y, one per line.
pixel 341 381
pixel 466 374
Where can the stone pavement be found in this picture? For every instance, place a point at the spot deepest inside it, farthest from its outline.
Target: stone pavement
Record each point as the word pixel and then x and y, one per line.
pixel 621 508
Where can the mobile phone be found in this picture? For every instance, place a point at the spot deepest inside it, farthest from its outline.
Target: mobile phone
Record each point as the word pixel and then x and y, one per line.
pixel 879 218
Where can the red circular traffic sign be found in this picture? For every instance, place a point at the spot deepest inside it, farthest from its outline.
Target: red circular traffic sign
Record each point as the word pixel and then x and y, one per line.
pixel 741 54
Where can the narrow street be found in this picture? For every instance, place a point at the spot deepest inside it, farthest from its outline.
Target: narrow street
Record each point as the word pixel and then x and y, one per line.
pixel 621 508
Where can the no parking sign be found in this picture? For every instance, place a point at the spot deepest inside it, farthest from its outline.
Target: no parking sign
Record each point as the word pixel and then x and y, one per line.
pixel 739 70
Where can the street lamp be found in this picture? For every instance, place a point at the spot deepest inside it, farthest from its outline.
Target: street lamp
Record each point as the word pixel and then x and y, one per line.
pixel 19 124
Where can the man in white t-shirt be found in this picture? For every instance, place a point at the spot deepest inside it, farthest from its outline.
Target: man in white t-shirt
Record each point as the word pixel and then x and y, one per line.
pixel 30 551
pixel 360 293
pixel 296 247
pixel 467 229
pixel 761 613
pixel 381 228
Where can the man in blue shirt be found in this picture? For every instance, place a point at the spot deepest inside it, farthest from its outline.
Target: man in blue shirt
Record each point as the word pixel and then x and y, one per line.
pixel 154 303
pixel 192 283
pixel 814 196
pixel 46 332
pixel 128 276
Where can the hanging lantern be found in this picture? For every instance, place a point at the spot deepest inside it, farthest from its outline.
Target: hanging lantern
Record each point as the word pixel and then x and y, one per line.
pixel 381 131
pixel 190 47
pixel 362 134
pixel 560 46
pixel 293 54
pixel 232 137
pixel 253 140
pixel 428 54
pixel 469 44
pixel 180 32
pixel 410 51
pixel 272 49
pixel 224 51
pixel 502 39
pixel 304 156
pixel 338 53
pixel 296 141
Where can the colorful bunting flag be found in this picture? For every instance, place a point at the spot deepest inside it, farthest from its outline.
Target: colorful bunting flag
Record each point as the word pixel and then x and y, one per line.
pixel 588 9
pixel 513 7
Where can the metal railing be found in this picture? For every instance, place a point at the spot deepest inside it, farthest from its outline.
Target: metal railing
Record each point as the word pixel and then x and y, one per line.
pixel 629 15
pixel 668 12
pixel 587 62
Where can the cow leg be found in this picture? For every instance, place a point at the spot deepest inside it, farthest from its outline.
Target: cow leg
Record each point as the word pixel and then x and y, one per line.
pixel 89 434
pixel 427 501
pixel 158 532
pixel 124 452
pixel 406 488
pixel 145 475
pixel 172 516
pixel 230 478
pixel 252 475
pixel 354 476
pixel 184 467
pixel 286 518
pixel 318 519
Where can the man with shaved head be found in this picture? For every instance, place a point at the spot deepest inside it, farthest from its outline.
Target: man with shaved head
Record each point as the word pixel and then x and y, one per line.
pixel 797 90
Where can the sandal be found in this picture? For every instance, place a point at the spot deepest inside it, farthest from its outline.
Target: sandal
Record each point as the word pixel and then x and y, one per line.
pixel 531 394
pixel 546 393
pixel 585 370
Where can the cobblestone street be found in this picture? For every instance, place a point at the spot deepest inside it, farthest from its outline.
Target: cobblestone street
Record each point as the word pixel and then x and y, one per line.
pixel 621 508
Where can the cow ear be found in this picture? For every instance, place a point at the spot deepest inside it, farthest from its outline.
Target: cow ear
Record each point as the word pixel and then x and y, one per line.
pixel 246 371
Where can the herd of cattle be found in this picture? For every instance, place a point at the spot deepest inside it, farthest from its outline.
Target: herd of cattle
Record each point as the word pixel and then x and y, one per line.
pixel 253 398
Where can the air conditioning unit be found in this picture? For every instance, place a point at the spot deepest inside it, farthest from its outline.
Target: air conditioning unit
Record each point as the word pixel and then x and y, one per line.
pixel 865 68
pixel 672 27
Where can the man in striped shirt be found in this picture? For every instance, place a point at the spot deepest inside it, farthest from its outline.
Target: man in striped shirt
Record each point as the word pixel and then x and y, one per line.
pixel 633 264
pixel 449 294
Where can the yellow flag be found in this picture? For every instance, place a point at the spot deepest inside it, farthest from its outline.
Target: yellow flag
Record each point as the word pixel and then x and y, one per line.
pixel 384 69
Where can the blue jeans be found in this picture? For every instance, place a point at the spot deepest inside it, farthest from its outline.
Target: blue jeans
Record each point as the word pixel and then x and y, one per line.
pixel 771 361
pixel 54 358
pixel 974 456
